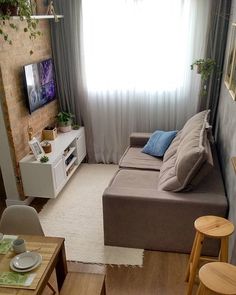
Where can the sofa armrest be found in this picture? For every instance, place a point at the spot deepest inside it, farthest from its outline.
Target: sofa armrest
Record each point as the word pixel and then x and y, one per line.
pixel 139 139
pixel 154 220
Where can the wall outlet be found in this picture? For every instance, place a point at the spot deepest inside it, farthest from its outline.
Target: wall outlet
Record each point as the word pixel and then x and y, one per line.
pixel 234 163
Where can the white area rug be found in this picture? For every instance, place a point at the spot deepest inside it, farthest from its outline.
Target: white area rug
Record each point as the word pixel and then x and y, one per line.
pixel 76 214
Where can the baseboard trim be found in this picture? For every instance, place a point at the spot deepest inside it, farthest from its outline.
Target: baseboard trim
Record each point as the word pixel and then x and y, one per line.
pixel 19 202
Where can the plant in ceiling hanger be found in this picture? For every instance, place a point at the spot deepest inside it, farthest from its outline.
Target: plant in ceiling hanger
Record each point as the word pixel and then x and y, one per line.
pixel 22 9
pixel 204 67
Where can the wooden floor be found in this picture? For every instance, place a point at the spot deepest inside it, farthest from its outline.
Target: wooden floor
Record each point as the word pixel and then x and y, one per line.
pixel 162 272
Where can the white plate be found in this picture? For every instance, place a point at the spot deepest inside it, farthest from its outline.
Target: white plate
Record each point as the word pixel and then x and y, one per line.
pixel 21 266
pixel 25 260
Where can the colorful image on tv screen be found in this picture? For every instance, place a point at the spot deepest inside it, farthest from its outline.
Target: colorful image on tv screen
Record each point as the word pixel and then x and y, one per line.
pixel 40 82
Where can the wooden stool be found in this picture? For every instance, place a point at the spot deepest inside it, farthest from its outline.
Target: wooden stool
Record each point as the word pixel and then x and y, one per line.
pixel 217 278
pixel 213 227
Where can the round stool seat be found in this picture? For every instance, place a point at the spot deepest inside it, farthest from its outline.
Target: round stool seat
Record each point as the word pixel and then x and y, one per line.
pixel 208 226
pixel 214 226
pixel 219 277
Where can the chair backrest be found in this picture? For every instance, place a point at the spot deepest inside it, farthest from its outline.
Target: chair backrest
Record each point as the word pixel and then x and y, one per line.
pixel 20 219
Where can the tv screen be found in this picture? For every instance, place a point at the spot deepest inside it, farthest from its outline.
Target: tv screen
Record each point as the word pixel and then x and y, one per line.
pixel 40 84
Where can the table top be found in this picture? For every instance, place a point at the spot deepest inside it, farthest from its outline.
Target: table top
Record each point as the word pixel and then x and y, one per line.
pixel 49 248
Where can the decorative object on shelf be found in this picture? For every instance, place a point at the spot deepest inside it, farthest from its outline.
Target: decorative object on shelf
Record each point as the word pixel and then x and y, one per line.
pixel 64 121
pixel 230 75
pixel 47 147
pixel 34 6
pixel 51 11
pixel 49 133
pixel 8 7
pixel 36 148
pixel 70 169
pixel 21 8
pixel 66 151
pixel 30 132
pixel 44 159
pixel 75 127
pixel 204 67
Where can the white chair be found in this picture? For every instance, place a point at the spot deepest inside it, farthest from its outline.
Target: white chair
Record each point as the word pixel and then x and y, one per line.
pixel 22 220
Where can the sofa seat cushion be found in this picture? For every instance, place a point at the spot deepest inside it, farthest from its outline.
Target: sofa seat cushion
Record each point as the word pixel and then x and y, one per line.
pixel 136 179
pixel 135 159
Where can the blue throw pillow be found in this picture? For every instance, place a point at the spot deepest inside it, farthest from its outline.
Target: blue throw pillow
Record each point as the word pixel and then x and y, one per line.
pixel 159 142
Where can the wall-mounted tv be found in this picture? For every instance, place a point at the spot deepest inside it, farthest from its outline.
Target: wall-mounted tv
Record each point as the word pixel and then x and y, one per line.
pixel 40 84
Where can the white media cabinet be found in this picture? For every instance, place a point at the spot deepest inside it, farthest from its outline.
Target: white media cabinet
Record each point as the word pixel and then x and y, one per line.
pixel 46 180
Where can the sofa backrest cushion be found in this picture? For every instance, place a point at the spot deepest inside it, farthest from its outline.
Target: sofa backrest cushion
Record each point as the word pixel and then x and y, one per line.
pixel 187 155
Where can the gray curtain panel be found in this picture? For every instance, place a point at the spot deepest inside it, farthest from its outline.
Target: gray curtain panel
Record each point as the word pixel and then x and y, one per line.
pixel 67 59
pixel 216 45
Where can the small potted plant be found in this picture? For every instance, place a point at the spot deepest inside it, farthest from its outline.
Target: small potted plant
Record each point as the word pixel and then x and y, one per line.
pixel 204 67
pixel 21 8
pixel 47 147
pixel 44 159
pixel 64 120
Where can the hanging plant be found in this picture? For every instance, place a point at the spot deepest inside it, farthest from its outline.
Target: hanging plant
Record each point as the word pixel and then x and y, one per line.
pixel 204 67
pixel 22 9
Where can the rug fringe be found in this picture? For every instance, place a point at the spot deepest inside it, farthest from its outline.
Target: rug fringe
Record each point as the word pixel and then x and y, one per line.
pixel 107 264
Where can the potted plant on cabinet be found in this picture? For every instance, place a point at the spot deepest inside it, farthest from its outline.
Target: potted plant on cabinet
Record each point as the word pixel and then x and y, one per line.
pixel 22 9
pixel 204 67
pixel 64 120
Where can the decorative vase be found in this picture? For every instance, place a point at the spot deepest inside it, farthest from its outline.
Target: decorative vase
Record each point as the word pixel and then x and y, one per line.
pixel 65 128
pixel 47 147
pixel 10 9
pixel 199 69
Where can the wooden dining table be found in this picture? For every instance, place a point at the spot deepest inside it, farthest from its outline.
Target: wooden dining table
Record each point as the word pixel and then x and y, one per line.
pixel 52 250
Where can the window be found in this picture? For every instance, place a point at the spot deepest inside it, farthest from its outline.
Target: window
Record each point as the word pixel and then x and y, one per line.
pixel 135 44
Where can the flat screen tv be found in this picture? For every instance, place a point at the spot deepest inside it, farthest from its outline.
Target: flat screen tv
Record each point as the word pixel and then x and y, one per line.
pixel 40 84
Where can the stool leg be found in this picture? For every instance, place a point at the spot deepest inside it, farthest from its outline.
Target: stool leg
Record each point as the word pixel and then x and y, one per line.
pixel 190 259
pixel 200 290
pixel 224 249
pixel 196 256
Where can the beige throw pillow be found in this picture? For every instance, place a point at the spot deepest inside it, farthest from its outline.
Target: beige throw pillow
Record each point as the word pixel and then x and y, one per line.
pixel 186 155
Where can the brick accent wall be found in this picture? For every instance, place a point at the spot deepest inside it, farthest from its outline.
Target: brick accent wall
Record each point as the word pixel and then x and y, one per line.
pixel 16 115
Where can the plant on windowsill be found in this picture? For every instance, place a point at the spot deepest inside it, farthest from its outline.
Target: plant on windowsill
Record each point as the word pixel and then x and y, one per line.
pixel 22 9
pixel 204 67
pixel 64 120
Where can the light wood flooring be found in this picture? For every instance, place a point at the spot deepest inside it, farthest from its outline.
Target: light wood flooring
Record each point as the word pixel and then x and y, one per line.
pixel 162 272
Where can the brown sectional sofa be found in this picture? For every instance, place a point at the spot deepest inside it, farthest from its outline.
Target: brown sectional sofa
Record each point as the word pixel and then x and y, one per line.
pixel 137 213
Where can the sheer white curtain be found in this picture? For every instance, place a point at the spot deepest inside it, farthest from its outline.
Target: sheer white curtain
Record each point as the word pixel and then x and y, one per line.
pixel 137 56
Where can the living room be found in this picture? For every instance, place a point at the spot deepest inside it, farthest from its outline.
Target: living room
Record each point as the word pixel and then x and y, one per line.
pixel 86 43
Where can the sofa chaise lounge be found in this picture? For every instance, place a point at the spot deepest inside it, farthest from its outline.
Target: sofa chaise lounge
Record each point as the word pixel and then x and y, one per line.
pixel 151 203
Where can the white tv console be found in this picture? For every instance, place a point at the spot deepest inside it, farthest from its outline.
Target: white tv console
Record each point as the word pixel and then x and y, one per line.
pixel 46 180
